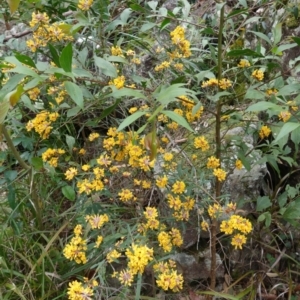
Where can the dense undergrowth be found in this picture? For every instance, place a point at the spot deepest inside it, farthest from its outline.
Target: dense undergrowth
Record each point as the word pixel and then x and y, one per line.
pixel 117 121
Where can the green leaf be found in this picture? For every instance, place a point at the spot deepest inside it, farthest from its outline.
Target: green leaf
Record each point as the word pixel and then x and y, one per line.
pixel 286 129
pixel 263 105
pixel 21 69
pixel 262 203
pixel 169 94
pixel 54 54
pixel 147 26
pixel 37 163
pixel 110 109
pixel 237 12
pixel 106 67
pixel 262 36
pixel 13 5
pixel 254 94
pixel 277 33
pixel 152 4
pixel 178 119
pixel 73 111
pixel 126 92
pixel 68 192
pixel 75 93
pixel 289 89
pixel 243 52
pixel 164 23
pixel 70 140
pixel 281 48
pixel 129 120
pixel 25 60
pixel 65 59
pixel 4 110
pixel 296 40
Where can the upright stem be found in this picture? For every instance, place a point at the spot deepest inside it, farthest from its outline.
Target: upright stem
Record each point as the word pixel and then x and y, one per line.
pixel 218 155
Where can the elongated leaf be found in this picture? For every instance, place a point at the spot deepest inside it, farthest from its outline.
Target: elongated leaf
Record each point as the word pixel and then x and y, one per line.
pixel 286 129
pixel 244 52
pixel 106 67
pixel 126 92
pixel 289 89
pixel 178 119
pixel 4 110
pixel 129 120
pixel 277 33
pixel 110 109
pixel 25 60
pixel 65 59
pixel 262 36
pixel 54 54
pixel 263 105
pixel 13 5
pixel 75 93
pixel 68 192
pixel 21 69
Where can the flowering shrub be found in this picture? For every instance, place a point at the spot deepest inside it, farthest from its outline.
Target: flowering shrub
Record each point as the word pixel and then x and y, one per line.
pixel 132 151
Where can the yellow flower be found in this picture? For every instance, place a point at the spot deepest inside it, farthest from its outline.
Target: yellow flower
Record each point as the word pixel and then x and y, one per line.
pixel 270 92
pixel 168 156
pixel 126 277
pixel 34 93
pixel 38 18
pixel 284 116
pixel 264 132
pixel 70 173
pixel 258 74
pixel 170 280
pixel 85 4
pixel 201 142
pixel 176 237
pixel 238 241
pixel 116 51
pixel 162 182
pixel 239 164
pixel 98 241
pixel 82 151
pixel 97 221
pixel 118 82
pixel 220 174
pixel 126 195
pixel 293 105
pixel 213 162
pixel 75 250
pixel 76 291
pixel 133 110
pixel 178 187
pixel 244 63
pixel 85 167
pixel 210 82
pixel 164 240
pixel 162 66
pixel 112 255
pixel 226 227
pixel 204 226
pixel 214 210
pixel 224 83
pixel 93 136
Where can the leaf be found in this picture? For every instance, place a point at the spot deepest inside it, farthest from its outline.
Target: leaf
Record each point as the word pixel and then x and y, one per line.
pixel 70 140
pixel 296 40
pixel 262 36
pixel 237 12
pixel 244 52
pixel 73 111
pixel 286 129
pixel 21 69
pixel 164 23
pixel 110 109
pixel 4 110
pixel 13 5
pixel 14 96
pixel 262 203
pixel 25 60
pixel 254 94
pixel 147 26
pixel 37 163
pixel 178 119
pixel 126 92
pixel 277 33
pixel 54 54
pixel 278 50
pixel 106 67
pixel 125 15
pixel 263 105
pixel 68 192
pixel 152 4
pixel 65 58
pixel 75 93
pixel 129 120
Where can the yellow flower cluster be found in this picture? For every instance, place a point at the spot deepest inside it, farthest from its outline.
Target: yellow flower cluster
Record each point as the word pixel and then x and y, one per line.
pixel 168 279
pixel 45 33
pixel 76 249
pixel 88 186
pixel 258 74
pixel 270 92
pixel 93 136
pixel 126 195
pixel 238 224
pixel 189 105
pixel 51 156
pixel 97 221
pixel 220 174
pixel 138 258
pixel 34 93
pixel 71 173
pixel 113 255
pixel 293 105
pixel 118 82
pixel 215 210
pixel 264 132
pixel 59 93
pixel 178 39
pixel 85 4
pixel 223 84
pixel 162 66
pixel 151 215
pixel 42 123
pixel 213 162
pixel 244 63
pixel 77 291
pixel 178 187
pixel 284 116
pixel 201 142
pixel 116 51
pixel 181 208
pixel 168 239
